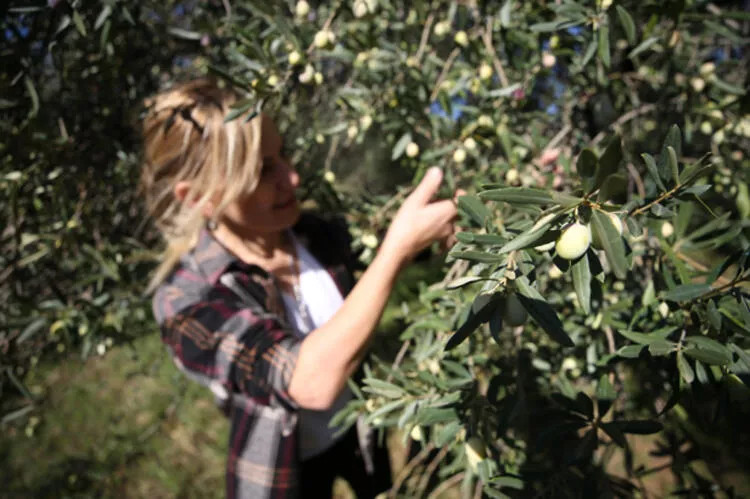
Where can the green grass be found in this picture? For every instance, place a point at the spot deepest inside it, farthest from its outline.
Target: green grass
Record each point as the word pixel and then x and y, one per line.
pixel 125 425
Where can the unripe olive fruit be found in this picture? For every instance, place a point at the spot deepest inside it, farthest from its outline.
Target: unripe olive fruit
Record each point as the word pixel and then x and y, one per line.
pixel 461 38
pixel 485 71
pixel 475 452
pixel 417 433
pixel 302 8
pixel 573 242
pixel 595 242
pixel 459 155
pixel 514 313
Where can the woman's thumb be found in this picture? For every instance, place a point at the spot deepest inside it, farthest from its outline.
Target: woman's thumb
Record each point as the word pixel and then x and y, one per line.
pixel 427 187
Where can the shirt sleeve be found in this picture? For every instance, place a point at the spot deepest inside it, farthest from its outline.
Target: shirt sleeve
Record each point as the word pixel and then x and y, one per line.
pixel 218 342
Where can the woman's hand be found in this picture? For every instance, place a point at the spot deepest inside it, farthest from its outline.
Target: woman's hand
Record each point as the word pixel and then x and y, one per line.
pixel 420 222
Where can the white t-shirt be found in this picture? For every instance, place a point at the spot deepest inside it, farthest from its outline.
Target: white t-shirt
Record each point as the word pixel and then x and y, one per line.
pixel 322 299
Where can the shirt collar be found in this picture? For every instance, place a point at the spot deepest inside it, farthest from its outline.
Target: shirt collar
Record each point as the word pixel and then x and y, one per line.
pixel 212 259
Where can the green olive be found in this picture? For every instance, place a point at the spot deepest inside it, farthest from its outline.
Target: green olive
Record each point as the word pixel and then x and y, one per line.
pixel 514 313
pixel 573 242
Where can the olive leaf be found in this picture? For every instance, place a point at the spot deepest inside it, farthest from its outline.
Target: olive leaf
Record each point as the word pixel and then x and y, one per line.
pixel 611 242
pixel 541 312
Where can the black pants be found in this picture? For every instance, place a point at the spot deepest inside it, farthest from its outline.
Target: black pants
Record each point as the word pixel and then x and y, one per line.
pixel 344 460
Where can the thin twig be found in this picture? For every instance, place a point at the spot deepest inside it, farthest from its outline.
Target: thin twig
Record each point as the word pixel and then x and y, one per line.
pixel 425 36
pixel 478 490
pixel 557 138
pixel 227 8
pixel 331 152
pixel 446 68
pixel 610 339
pixel 671 192
pixel 637 179
pixel 408 468
pixel 446 485
pixel 647 108
pixel 425 481
pixel 399 358
pixel 487 38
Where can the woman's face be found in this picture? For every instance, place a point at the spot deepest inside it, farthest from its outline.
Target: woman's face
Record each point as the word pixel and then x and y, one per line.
pixel 273 206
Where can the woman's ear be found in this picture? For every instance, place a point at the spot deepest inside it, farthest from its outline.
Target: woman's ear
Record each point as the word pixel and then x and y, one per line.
pixel 181 191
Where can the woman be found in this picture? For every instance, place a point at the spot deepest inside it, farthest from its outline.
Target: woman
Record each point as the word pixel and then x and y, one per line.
pixel 256 301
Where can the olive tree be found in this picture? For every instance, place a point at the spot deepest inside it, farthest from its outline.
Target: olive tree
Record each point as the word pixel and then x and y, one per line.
pixel 595 308
pixel 598 290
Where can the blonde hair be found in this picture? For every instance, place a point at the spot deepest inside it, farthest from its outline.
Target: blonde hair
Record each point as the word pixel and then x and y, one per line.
pixel 185 138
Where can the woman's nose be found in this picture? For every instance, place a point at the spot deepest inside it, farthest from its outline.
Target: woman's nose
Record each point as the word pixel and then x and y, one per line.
pixel 290 176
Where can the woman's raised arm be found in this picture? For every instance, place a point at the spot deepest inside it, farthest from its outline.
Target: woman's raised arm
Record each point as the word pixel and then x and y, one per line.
pixel 332 352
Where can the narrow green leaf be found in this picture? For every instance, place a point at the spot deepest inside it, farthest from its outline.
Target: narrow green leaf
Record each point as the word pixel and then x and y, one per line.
pixel 464 281
pixel 695 171
pixel 505 13
pixel 643 46
pixel 103 16
pixel 587 163
pixel 674 139
pixel 726 87
pixel 78 21
pixel 482 308
pixel 686 371
pixel 34 327
pixel 653 170
pixel 433 415
pixel 474 209
pixel 241 108
pixel 184 34
pixel 508 481
pixel 400 146
pixel 542 312
pixel 627 23
pixel 517 195
pixel 686 292
pixel 488 239
pixel 526 239
pixel 582 283
pixel 609 161
pixel 706 356
pixel 630 351
pixel 383 388
pixel 545 27
pixel 615 434
pixel 611 242
pixel 590 51
pixel 714 316
pixel 661 347
pixel 33 95
pixel 673 164
pixel 720 353
pixel 646 338
pixel 477 256
pixel 604 54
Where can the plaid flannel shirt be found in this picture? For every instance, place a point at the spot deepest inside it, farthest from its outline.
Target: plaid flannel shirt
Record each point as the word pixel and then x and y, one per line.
pixel 225 326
